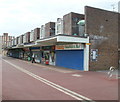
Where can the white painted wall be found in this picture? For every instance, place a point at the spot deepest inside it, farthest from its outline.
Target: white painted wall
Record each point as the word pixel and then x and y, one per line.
pixel 86 58
pixel 42 32
pixel 13 42
pixel 71 39
pixel 24 38
pixel 32 35
pixel 59 26
pixel 19 40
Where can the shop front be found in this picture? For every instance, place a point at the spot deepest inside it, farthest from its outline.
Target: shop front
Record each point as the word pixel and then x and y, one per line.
pixel 37 53
pixel 27 54
pixel 48 55
pixel 21 54
pixel 70 56
pixel 68 51
pixel 16 53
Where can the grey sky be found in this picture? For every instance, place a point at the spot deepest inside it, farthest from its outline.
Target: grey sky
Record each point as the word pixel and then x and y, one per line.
pixel 19 16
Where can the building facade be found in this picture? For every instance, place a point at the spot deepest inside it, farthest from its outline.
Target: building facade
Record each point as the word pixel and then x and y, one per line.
pixel 6 42
pixel 36 34
pixel 102 28
pixel 59 26
pixel 42 32
pixel 70 26
pixel 49 29
pixel 32 36
pixel 82 42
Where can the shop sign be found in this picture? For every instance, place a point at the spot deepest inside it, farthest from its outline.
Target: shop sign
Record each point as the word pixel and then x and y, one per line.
pixel 69 47
pixel 26 49
pixel 48 47
pixel 34 48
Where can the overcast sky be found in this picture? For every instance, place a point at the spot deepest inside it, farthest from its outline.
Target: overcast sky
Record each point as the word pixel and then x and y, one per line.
pixel 20 16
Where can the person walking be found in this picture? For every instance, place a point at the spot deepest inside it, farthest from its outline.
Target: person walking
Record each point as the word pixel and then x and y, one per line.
pixel 33 58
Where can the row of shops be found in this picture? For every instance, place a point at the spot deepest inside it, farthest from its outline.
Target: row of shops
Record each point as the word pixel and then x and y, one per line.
pixel 68 55
pixel 40 53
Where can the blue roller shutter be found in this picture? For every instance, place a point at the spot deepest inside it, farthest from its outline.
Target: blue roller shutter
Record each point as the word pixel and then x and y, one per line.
pixel 70 59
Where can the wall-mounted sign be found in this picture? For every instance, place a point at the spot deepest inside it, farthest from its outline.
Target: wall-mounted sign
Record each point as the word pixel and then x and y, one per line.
pixel 94 54
pixel 69 47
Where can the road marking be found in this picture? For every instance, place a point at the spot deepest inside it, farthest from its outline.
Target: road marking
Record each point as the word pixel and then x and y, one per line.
pixel 56 86
pixel 77 75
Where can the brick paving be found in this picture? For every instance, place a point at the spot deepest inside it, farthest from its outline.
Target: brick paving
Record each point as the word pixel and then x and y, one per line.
pixel 94 85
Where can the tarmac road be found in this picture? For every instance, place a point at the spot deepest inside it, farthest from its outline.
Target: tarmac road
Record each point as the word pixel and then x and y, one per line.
pixel 23 80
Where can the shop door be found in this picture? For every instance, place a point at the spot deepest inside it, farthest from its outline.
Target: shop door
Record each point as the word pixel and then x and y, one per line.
pixel 70 59
pixel 37 56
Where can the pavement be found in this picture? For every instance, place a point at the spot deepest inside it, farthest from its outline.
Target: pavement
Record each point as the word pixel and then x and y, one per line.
pixel 115 73
pixel 24 80
pixel 0 77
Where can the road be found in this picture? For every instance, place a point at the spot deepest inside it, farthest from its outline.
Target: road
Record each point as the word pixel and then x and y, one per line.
pixel 0 78
pixel 22 80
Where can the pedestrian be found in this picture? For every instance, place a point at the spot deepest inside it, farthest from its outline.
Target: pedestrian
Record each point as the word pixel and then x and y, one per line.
pixel 33 58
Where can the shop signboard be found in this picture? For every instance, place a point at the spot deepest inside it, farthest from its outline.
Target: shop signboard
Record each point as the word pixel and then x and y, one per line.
pixel 69 47
pixel 48 47
pixel 35 48
pixel 26 49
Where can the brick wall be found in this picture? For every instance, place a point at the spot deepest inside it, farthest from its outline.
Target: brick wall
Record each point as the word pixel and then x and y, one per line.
pixel 49 29
pixel 36 33
pixel 70 26
pixel 102 27
pixel 6 40
pixel 21 39
pixel 27 37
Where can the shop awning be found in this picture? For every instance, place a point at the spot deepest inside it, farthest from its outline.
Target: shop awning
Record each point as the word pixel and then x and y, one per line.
pixel 55 40
pixel 18 46
pixel 61 39
pixel 29 45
